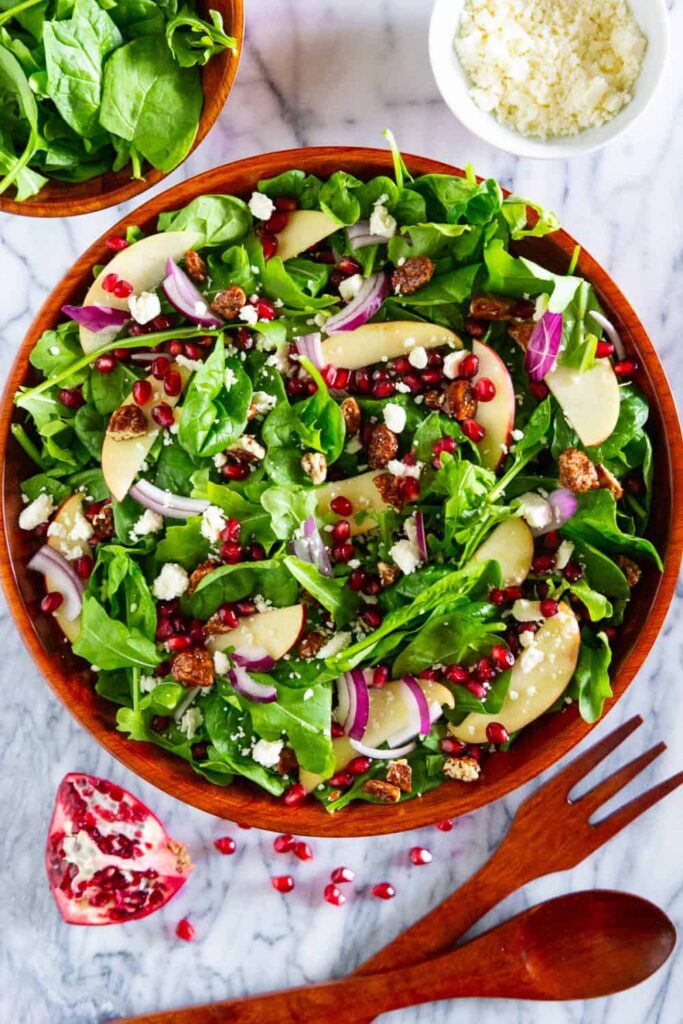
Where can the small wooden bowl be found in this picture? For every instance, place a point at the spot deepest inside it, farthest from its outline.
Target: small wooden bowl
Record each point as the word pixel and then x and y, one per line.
pixel 65 199
pixel 541 745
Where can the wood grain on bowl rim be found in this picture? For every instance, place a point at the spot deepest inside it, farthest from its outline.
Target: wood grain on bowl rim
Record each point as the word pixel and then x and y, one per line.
pixel 540 746
pixel 65 199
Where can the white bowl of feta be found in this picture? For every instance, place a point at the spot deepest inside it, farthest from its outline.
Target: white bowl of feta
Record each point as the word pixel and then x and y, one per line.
pixel 521 82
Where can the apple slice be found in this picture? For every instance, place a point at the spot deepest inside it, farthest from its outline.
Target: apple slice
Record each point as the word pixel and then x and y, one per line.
pixel 589 398
pixel 363 495
pixel 497 417
pixel 67 515
pixel 388 716
pixel 122 460
pixel 304 228
pixel 540 676
pixel 373 343
pixel 143 265
pixel 511 544
pixel 275 631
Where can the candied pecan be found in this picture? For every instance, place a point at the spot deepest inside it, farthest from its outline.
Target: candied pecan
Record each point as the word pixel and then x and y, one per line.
pixel 388 574
pixel 464 769
pixel 493 307
pixel 126 422
pixel 401 774
pixel 288 764
pixel 215 626
pixel 576 471
pixel 460 401
pixel 630 569
pixel 385 792
pixel 195 267
pixel 314 465
pixel 350 410
pixel 382 447
pixel 310 645
pixel 412 274
pixel 522 331
pixel 229 302
pixel 389 491
pixel 434 399
pixel 193 668
pixel 247 449
pixel 199 573
pixel 608 480
pixel 103 523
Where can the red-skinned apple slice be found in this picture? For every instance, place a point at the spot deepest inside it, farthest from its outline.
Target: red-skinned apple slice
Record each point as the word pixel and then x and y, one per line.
pixel 589 398
pixel 304 229
pixel 143 265
pixel 363 495
pixel 511 544
pixel 68 513
pixel 276 631
pixel 373 343
pixel 122 460
pixel 497 417
pixel 540 676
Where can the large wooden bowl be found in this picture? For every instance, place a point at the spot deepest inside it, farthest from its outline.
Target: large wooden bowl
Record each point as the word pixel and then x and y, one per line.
pixel 540 745
pixel 65 199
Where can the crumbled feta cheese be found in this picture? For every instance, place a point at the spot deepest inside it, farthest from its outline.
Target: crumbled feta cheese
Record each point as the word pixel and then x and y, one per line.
pixel 191 722
pixel 81 528
pixel 338 642
pixel 149 522
pixel 56 529
pixel 405 553
pixel 279 359
pixel 418 357
pixel 144 307
pixel 402 387
pixel 213 522
pixel 381 221
pixel 262 603
pixel 350 286
pixel 263 402
pixel 38 512
pixel 451 364
pixel 513 694
pixel 248 315
pixel 267 753
pixel 190 364
pixel 147 683
pixel 564 553
pixel 171 582
pixel 401 469
pixel 535 510
pixel 530 658
pixel 527 638
pixel 230 378
pixel 261 206
pixel 248 444
pixel 517 435
pixel 219 460
pixel 394 417
pixel 221 663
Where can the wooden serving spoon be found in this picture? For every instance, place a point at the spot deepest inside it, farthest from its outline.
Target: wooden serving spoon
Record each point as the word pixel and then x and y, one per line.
pixel 580 946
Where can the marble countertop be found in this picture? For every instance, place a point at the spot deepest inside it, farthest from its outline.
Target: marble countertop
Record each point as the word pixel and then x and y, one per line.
pixel 323 72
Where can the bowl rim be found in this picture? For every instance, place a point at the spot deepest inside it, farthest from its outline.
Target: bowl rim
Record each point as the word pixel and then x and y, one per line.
pixel 550 738
pixel 42 205
pixel 451 80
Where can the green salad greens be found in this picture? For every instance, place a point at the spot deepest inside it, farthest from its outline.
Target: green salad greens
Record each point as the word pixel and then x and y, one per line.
pixel 89 86
pixel 349 495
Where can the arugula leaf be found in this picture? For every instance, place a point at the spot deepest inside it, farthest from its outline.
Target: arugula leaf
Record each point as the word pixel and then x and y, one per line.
pixel 449 639
pixel 333 594
pixel 194 41
pixel 183 544
pixel 287 508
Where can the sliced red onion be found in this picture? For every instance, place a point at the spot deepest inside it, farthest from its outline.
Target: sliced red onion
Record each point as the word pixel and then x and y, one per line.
pixel 355 726
pixel 309 346
pixel 51 563
pixel 543 347
pixel 188 300
pixel 362 308
pixel 98 318
pixel 421 702
pixel 382 755
pixel 171 506
pixel 310 548
pixel 564 505
pixel 254 657
pixel 611 332
pixel 421 537
pixel 260 693
pixel 419 714
pixel 360 235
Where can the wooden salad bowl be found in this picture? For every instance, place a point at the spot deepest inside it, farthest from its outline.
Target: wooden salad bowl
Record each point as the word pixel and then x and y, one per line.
pixel 67 199
pixel 541 744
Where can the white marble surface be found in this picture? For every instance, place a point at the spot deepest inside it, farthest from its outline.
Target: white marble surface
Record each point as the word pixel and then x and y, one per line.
pixel 322 71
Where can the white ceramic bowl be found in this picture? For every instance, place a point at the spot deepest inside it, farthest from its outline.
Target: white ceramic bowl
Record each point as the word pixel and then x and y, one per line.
pixel 454 85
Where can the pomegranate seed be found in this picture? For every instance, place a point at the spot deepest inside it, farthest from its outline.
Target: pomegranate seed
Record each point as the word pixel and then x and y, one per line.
pixel 282 883
pixel 173 384
pixel 84 567
pixel 106 363
pixel 445 826
pixel 286 203
pixel 228 616
pixel 174 348
pixel 380 675
pixel 333 895
pixel 257 552
pixel 497 596
pixel 542 590
pixel 430 377
pixel 303 851
pixel 265 309
pixel 445 444
pixel 514 593
pixel 268 244
pixel 473 431
pixel 231 530
pixel 342 552
pixel 283 843
pixel 539 390
pixel 502 657
pixel 122 289
pixel 185 931
pixel 243 339
pixel 159 723
pixel 457 674
pixel 179 643
pixel 225 845
pixel 451 746
pixel 484 670
pixel 122 354
pixel 72 398
pixel 244 608
pixel 362 382
pixel 341 531
pixel 341 780
pixel 372 587
pixel 524 309
pixel 611 633
pixel 277 222
pixel 383 389
pixel 164 630
pixel 432 674
pixel 572 572
pixel 348 266
pixel 543 564
pixel 51 602
pixel 160 367
pixel 115 243
pixel 551 541
pixel 409 459
pixel 342 378
pixel 295 795
pixel 604 349
pixel 341 506
pixel 109 282
pixel 329 375
pixel 358 765
pixel 477 690
pixel 468 366
pixel 232 553
pixel 420 856
pixel 142 392
pixel 625 368
pixel 235 470
pixel 357 579
pixel 549 608
pixel 372 618
pixel 497 733
pixel 409 489
pixel 342 876
pixel 484 390
pixel 337 730
pixel 192 350
pixel 383 891
pixel 162 414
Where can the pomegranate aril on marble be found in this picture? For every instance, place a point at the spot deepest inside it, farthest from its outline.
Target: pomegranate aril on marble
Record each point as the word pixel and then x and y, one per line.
pixel 303 851
pixel 185 930
pixel 420 856
pixel 342 876
pixel 284 843
pixel 333 895
pixel 225 845
pixel 383 891
pixel 282 883
pixel 445 826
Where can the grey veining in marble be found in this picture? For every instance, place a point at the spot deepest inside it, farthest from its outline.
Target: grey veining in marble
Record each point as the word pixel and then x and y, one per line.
pixel 326 71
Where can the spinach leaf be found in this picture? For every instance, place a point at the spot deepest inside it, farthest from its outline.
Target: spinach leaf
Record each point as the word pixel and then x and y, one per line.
pixel 118 581
pixel 449 639
pixel 279 283
pixel 218 220
pixel 214 416
pixel 301 186
pixel 227 583
pixel 287 508
pixel 595 522
pixel 453 286
pixel 110 644
pixel 15 88
pixel 183 544
pixel 90 426
pixel 591 684
pixel 304 718
pixel 337 197
pixel 230 732
pixel 56 349
pixel 602 573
